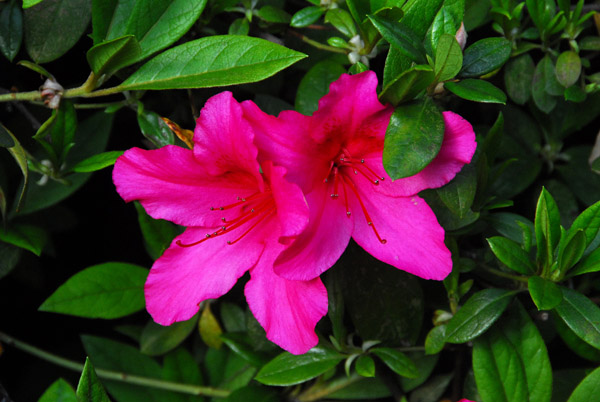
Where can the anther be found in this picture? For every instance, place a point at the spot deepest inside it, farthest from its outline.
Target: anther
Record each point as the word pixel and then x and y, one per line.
pixel 212 208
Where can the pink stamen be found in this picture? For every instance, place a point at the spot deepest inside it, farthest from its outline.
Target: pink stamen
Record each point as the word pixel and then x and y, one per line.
pixel 364 208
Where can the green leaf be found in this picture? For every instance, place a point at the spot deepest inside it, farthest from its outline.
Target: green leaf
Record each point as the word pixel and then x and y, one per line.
pixel 154 128
pixel 512 255
pixel 20 156
pixel 448 58
pixel 158 234
pixel 26 236
pixel 102 17
pixel 588 221
pixel 572 252
pixel 240 26
pixel 568 68
pixel 511 362
pixel 97 162
pixel 518 76
pixel 306 16
pixel 476 91
pixel 11 29
pixel 581 315
pixel 485 56
pixel 397 361
pixel 545 294
pixel 420 14
pixel 209 328
pixel 433 389
pixel 510 225
pixel 401 37
pixel 477 314
pixel 342 21
pixel 315 84
pixel 458 195
pixel 158 340
pixel 413 139
pixel 365 366
pixel 6 139
pixel 30 3
pixel 61 130
pixel 273 15
pixel 588 387
pixel 590 264
pixel 109 290
pixel 544 84
pixel 60 390
pixel 213 61
pixel 408 84
pixel 288 369
pixel 435 340
pixel 179 366
pixel 547 226
pixel 233 317
pixel 425 365
pixel 574 342
pixel 89 388
pixel 54 26
pixel 253 393
pixel 239 344
pixel 110 56
pixel 9 258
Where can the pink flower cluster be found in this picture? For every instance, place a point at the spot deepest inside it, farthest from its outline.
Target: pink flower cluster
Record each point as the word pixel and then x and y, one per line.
pixel 281 197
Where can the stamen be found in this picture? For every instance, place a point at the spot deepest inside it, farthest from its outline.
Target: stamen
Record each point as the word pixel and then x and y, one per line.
pixel 364 208
pixel 229 242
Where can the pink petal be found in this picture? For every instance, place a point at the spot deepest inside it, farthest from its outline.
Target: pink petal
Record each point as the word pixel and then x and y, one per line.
pixel 287 310
pixel 292 209
pixel 322 242
pixel 223 140
pixel 414 240
pixel 185 276
pixel 171 185
pixel 457 150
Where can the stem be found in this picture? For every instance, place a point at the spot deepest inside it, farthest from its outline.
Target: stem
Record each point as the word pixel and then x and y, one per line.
pixel 318 45
pixel 21 96
pixel 115 375
pixel 506 275
pixel 318 391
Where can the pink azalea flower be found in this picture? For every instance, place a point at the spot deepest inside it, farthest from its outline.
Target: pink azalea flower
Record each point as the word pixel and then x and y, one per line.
pixel 238 218
pixel 335 156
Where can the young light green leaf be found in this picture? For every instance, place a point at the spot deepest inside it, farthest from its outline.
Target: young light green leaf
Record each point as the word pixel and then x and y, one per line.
pixel 448 58
pixel 397 361
pixel 413 138
pixel 239 26
pixel 581 315
pixel 408 84
pixel 590 264
pixel 158 340
pixel 60 390
pixel 401 37
pixel 180 366
pixel 110 56
pixel 543 83
pixel 545 294
pixel 342 21
pixel 512 255
pixel 20 156
pixel 26 236
pixel 287 369
pixel 485 56
pixel 209 328
pixel 89 388
pixel 435 340
pixel 97 162
pixel 11 29
pixel 518 75
pixel 315 84
pixel 588 221
pixel 425 365
pixel 477 91
pixel 477 314
pixel 365 366
pixel 213 61
pixel 306 16
pixel 588 387
pixel 568 68
pixel 109 290
pixel 54 26
pixel 273 15
pixel 547 226
pixel 572 252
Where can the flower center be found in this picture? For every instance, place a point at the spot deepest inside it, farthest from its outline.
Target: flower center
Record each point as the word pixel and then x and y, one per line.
pixel 252 211
pixel 340 173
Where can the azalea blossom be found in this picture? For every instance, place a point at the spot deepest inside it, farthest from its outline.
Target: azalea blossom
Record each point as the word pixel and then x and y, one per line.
pixel 239 216
pixel 335 156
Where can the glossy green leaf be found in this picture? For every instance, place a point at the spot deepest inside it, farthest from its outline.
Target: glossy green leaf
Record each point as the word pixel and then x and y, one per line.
pixel 110 56
pixel 288 369
pixel 240 345
pixel 413 138
pixel 589 264
pixel 154 128
pixel 518 76
pixel 240 26
pixel 581 315
pixel 485 56
pixel 512 255
pixel 511 362
pixel 179 366
pixel 588 387
pixel 109 290
pixel 545 294
pixel 568 68
pixel 476 91
pixel 547 226
pixel 342 21
pixel 397 361
pixel 435 340
pixel 458 195
pixel 408 84
pixel 213 61
pixel 273 15
pixel 544 84
pixel 306 16
pixel 54 26
pixel 448 58
pixel 89 388
pixel 572 252
pixel 365 366
pixel 574 342
pixel 60 390
pixel 20 156
pixel 315 84
pixel 588 221
pixel 97 162
pixel 477 314
pixel 9 258
pixel 11 29
pixel 405 40
pixel 158 340
pixel 26 236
